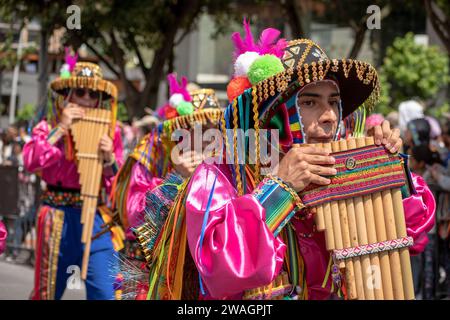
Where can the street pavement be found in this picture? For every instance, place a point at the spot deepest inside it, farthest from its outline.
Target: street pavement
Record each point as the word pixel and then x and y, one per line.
pixel 16 282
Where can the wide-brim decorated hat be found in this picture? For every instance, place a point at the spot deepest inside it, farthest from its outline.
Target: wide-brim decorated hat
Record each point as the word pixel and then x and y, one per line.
pixel 187 108
pixel 269 73
pixel 305 62
pixel 74 75
pixel 84 75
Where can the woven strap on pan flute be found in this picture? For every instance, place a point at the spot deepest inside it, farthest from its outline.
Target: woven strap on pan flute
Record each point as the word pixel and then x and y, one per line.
pixel 360 172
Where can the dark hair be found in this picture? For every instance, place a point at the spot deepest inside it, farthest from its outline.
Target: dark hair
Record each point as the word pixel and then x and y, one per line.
pixel 446 127
pixel 423 153
pixel 420 130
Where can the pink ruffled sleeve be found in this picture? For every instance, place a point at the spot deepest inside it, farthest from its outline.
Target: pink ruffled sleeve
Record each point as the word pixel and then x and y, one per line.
pixel 141 181
pixel 39 153
pixel 3 235
pixel 419 214
pixel 238 251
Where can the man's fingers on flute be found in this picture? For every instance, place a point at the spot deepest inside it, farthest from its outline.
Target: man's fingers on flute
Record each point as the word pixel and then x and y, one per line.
pixel 319 180
pixel 322 171
pixel 386 128
pixel 316 159
pixel 396 146
pixel 393 139
pixel 378 135
pixel 312 150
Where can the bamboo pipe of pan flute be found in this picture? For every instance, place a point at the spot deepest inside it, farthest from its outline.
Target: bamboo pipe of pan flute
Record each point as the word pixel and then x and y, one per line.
pixel 405 260
pixel 380 228
pixel 394 257
pixel 353 270
pixel 362 234
pixel 329 234
pixel 383 203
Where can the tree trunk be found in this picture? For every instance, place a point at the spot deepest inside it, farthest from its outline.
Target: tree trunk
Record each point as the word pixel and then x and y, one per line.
pixel 1 80
pixel 440 26
pixel 293 13
pixel 360 33
pixel 43 68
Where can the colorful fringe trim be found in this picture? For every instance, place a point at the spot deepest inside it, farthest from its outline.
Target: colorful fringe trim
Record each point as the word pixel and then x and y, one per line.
pixel 279 203
pixel 159 202
pixel 49 229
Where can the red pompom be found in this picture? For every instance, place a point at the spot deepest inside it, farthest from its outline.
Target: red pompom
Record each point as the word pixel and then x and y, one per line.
pixel 171 112
pixel 237 86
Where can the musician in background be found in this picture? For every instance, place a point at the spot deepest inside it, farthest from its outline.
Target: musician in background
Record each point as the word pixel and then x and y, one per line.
pixel 59 249
pixel 244 231
pixel 150 164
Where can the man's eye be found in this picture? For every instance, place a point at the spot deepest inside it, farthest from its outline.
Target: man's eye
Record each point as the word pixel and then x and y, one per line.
pixel 307 103
pixel 334 103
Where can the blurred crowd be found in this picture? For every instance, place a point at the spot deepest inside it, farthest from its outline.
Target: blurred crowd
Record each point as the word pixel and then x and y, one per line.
pixel 12 141
pixel 427 142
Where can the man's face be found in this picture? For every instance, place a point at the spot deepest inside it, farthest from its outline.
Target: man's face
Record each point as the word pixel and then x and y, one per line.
pixel 85 97
pixel 319 109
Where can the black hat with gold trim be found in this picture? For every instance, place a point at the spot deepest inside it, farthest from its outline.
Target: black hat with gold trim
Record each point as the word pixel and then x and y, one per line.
pixel 266 82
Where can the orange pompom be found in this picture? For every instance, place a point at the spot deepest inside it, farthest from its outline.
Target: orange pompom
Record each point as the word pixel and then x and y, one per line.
pixel 237 86
pixel 171 113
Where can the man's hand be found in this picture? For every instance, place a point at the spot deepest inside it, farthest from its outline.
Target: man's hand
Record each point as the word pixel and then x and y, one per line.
pixel 71 112
pixel 106 147
pixel 302 166
pixel 390 138
pixel 186 162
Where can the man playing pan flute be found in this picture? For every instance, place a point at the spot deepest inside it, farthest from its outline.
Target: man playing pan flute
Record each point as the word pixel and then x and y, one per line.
pixel 150 164
pixel 51 152
pixel 244 231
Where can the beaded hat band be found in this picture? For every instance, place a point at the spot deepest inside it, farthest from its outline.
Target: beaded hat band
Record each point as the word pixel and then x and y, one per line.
pixel 85 75
pixel 305 62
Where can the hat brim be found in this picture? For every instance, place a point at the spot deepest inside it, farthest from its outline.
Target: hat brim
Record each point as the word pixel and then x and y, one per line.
pixel 358 83
pixel 202 116
pixel 61 85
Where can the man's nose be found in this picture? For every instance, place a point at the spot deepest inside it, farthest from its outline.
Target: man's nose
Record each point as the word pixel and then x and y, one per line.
pixel 328 114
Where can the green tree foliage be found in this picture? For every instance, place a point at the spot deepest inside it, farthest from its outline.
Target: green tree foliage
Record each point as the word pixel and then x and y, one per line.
pixel 122 113
pixel 384 105
pixel 414 70
pixel 26 113
pixel 120 32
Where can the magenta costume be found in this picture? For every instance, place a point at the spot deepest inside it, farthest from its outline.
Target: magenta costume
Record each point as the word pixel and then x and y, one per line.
pixel 3 236
pixel 59 229
pixel 40 155
pixel 141 181
pixel 239 252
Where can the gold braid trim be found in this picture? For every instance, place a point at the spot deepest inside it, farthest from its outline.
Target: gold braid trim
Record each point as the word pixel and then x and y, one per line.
pixel 58 222
pixel 224 132
pixel 257 147
pixel 236 158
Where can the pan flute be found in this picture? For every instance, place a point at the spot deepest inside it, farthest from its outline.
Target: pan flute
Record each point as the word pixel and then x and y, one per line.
pixel 86 133
pixel 361 213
